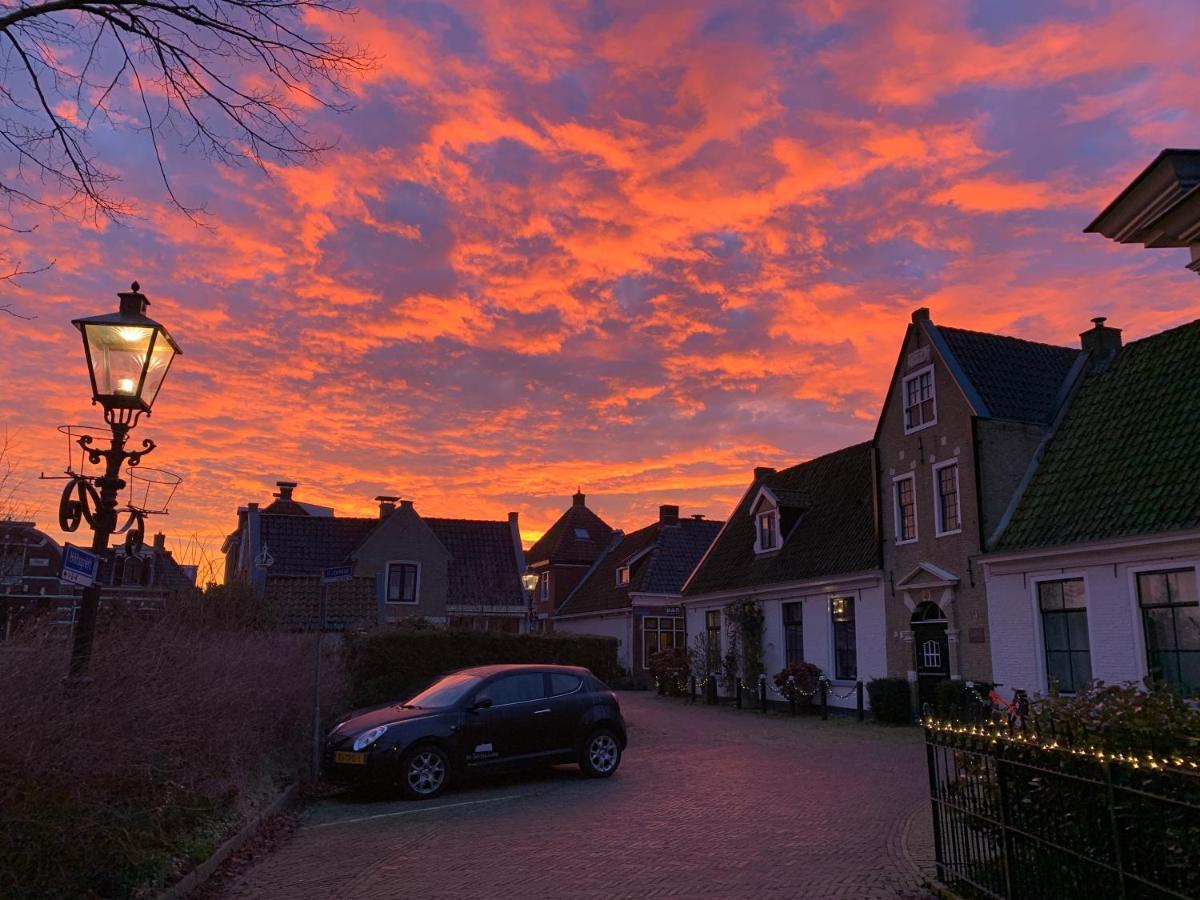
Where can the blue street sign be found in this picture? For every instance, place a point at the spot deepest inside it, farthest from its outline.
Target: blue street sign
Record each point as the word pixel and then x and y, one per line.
pixel 337 573
pixel 79 566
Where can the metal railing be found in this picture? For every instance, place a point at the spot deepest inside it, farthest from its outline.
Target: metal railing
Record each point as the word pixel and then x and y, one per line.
pixel 1017 818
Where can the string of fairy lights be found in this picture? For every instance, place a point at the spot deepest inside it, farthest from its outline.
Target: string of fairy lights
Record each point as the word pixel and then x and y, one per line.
pixel 994 733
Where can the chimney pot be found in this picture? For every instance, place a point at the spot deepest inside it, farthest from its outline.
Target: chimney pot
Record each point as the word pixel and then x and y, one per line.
pixel 285 489
pixel 387 505
pixel 406 504
pixel 668 514
pixel 699 517
pixel 1101 343
pixel 761 472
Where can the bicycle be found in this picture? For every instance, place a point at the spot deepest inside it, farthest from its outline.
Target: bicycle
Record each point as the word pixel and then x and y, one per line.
pixel 1015 712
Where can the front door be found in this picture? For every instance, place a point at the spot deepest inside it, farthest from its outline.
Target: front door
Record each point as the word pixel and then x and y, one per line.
pixel 933 660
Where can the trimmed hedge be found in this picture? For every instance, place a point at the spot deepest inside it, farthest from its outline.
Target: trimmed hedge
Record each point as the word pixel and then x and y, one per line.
pixel 890 700
pixel 395 663
pixel 954 701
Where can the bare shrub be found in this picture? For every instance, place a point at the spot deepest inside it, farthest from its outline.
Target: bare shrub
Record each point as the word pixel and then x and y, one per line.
pixel 188 725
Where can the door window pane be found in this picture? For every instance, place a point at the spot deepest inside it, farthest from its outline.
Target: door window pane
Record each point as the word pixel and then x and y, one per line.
pixel 517 688
pixel 563 684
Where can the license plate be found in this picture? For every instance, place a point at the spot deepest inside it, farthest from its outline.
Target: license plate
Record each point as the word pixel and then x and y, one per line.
pixel 350 759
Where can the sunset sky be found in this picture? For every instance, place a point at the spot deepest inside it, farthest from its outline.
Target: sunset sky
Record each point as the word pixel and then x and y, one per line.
pixel 636 247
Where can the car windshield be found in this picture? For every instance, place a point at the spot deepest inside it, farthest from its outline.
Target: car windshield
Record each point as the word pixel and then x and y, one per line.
pixel 445 691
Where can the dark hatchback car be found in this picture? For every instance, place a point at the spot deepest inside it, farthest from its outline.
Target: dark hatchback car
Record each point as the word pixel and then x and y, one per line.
pixel 491 718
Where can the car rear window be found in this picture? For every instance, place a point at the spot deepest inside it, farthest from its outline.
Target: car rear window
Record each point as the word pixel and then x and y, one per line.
pixel 563 684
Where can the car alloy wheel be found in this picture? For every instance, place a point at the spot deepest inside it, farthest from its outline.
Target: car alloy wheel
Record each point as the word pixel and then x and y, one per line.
pixel 426 773
pixel 603 753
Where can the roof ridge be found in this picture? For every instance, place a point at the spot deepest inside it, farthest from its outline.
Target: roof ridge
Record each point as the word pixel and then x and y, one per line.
pixel 1008 337
pixel 1166 332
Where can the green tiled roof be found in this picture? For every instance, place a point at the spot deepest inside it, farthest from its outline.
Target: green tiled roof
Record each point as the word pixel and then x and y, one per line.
pixel 1126 458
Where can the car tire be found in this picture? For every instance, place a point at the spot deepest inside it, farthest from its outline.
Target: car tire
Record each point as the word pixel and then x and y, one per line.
pixel 600 754
pixel 424 772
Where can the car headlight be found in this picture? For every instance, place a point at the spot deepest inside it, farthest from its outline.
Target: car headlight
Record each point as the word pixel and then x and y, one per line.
pixel 367 738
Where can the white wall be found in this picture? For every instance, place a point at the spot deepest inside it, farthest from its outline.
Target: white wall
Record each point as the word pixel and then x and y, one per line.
pixel 604 626
pixel 1115 637
pixel 870 631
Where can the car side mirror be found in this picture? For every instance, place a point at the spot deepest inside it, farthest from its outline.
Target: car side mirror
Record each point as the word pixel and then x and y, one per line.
pixel 481 703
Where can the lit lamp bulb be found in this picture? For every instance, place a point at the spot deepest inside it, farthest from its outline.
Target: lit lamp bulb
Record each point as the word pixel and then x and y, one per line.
pixel 125 386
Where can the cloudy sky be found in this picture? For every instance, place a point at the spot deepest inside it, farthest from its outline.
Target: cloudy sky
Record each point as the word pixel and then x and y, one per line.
pixel 637 247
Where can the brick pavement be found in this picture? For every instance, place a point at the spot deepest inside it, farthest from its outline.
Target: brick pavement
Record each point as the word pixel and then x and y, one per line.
pixel 707 803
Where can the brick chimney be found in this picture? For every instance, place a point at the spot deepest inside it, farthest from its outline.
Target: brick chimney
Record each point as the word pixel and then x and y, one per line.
pixel 668 514
pixel 1101 343
pixel 160 542
pixel 406 504
pixel 285 489
pixel 387 505
pixel 761 472
pixel 578 498
pixel 920 315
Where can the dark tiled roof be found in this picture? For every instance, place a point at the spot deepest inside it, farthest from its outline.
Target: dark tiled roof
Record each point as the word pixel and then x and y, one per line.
pixel 561 543
pixel 1018 380
pixel 284 507
pixel 1124 460
pixel 483 571
pixel 304 545
pixel 834 535
pixel 666 555
pixel 296 599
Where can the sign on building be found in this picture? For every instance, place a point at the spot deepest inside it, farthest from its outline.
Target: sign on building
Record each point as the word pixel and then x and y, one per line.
pixel 337 573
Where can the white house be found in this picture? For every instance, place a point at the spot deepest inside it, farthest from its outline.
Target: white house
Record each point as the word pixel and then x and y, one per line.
pixel 802 542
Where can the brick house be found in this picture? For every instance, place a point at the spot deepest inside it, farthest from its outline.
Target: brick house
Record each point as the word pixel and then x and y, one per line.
pixel 633 590
pixel 461 572
pixel 802 542
pixel 562 556
pixel 964 415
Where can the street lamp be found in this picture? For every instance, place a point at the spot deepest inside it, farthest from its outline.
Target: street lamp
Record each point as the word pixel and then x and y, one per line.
pixel 128 355
pixel 530 581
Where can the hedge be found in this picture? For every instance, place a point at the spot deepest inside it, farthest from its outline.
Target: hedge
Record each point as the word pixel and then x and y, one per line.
pixel 890 700
pixel 395 663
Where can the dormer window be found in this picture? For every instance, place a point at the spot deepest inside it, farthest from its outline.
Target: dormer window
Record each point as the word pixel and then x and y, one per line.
pixel 581 534
pixel 765 510
pixel 920 401
pixel 622 576
pixel 766 531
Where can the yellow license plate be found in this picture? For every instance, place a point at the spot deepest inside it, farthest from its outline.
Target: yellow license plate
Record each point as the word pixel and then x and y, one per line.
pixel 350 759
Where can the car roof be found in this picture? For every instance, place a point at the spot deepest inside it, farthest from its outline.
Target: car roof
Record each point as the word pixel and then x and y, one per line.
pixel 484 671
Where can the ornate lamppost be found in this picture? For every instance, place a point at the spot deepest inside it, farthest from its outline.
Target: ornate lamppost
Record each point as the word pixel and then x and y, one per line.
pixel 529 581
pixel 128 355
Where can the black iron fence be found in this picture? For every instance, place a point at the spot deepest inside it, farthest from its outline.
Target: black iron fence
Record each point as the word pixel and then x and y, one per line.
pixel 1021 818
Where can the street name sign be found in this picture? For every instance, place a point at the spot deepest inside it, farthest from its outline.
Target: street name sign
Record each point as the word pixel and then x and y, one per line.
pixel 337 573
pixel 79 566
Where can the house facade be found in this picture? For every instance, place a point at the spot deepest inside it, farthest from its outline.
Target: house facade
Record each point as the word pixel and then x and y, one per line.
pixel 562 556
pixel 459 572
pixel 963 418
pixel 802 543
pixel 633 591
pixel 1095 573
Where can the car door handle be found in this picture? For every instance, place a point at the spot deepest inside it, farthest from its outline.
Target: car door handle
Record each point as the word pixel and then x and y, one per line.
pixel 541 712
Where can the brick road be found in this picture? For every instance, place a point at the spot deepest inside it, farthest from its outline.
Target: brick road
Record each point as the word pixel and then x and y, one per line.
pixel 707 803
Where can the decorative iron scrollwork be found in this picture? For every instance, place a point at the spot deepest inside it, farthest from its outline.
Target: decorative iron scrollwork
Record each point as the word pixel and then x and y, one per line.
pixel 72 511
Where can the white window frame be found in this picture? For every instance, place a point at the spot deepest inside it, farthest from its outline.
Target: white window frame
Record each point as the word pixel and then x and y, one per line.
pixel 545 585
pixel 938 530
pixel 677 629
pixel 896 518
pixel 775 530
pixel 623 582
pixel 387 583
pixel 1039 631
pixel 924 370
pixel 1135 605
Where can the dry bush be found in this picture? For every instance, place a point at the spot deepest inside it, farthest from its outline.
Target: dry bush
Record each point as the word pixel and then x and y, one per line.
pixel 190 723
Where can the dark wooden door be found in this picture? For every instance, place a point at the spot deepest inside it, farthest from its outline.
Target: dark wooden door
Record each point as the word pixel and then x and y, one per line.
pixel 932 650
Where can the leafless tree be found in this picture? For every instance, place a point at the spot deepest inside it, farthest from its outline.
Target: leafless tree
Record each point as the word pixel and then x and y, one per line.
pixel 230 78
pixel 11 509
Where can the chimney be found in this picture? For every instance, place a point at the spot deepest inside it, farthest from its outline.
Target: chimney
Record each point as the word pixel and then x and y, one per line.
pixel 512 518
pixel 761 472
pixel 406 504
pixel 160 542
pixel 668 514
pixel 920 315
pixel 387 505
pixel 699 517
pixel 285 489
pixel 578 498
pixel 1101 343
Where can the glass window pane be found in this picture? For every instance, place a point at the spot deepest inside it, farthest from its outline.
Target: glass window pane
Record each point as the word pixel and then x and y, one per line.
pixel 1077 630
pixel 1182 586
pixel 1159 629
pixel 563 684
pixel 1050 594
pixel 517 688
pixel 1187 627
pixel 1054 631
pixel 1081 669
pixel 1073 596
pixel 1189 668
pixel 1152 588
pixel 1058 670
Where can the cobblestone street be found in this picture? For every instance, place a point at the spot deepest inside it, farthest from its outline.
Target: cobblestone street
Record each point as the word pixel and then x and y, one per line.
pixel 707 803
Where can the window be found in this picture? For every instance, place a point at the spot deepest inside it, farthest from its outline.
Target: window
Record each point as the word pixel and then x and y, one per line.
pixel 1171 620
pixel 622 576
pixel 931 654
pixel 563 684
pixel 845 649
pixel 519 688
pixel 402 582
pixel 661 633
pixel 766 531
pixel 906 509
pixel 582 534
pixel 793 633
pixel 545 585
pixel 712 632
pixel 1065 634
pixel 946 510
pixel 920 407
pixel 11 565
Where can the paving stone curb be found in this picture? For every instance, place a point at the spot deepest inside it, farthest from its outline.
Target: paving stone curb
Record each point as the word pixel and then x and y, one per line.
pixel 205 870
